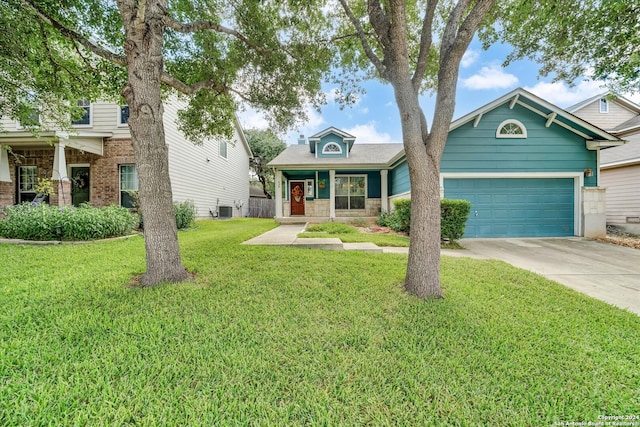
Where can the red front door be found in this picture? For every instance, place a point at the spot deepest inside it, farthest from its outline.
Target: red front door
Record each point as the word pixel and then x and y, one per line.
pixel 297 198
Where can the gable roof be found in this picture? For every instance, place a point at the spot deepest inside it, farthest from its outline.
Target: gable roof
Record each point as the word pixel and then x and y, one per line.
pixel 630 105
pixel 361 155
pixel 553 114
pixel 342 134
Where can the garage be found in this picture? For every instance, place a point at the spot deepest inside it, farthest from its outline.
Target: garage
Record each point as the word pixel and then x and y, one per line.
pixel 516 207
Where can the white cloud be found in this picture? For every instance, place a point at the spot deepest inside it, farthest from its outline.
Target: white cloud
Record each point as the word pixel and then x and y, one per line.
pixel 252 119
pixel 561 94
pixel 491 77
pixel 368 134
pixel 469 58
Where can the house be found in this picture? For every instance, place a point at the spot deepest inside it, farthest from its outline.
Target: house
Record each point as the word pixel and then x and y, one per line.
pixel 94 162
pixel 528 167
pixel 620 165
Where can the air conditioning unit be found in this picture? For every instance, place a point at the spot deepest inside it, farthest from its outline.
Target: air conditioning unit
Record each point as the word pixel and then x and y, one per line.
pixel 225 212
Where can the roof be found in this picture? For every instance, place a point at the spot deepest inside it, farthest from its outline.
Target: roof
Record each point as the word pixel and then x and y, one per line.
pixel 361 155
pixel 342 134
pixel 621 156
pixel 552 113
pixel 619 99
pixel 630 125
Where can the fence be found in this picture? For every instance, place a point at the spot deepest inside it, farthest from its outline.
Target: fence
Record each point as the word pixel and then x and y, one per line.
pixel 262 208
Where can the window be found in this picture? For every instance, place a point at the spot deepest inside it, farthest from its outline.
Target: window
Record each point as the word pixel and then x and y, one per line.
pixel 350 191
pixel 332 148
pixel 123 115
pixel 310 188
pixel 86 117
pixel 511 129
pixel 27 180
pixel 604 105
pixel 128 186
pixel 222 149
pixel 32 120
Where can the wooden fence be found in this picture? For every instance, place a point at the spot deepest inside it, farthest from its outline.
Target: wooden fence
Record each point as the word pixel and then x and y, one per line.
pixel 262 208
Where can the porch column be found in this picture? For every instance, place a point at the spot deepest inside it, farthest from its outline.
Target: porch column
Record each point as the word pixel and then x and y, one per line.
pixel 62 196
pixel 278 194
pixel 332 194
pixel 5 176
pixel 384 191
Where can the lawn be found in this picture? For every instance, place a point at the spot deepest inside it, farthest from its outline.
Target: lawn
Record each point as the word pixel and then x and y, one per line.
pixel 349 234
pixel 288 336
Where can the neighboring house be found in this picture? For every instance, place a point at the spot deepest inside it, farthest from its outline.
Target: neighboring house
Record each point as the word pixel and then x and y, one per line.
pixel 528 167
pixel 94 162
pixel 620 166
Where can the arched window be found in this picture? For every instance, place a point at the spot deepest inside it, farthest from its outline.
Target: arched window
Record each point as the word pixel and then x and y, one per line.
pixel 332 148
pixel 511 129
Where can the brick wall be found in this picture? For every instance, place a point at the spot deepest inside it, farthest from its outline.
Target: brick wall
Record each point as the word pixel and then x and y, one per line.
pixel 105 176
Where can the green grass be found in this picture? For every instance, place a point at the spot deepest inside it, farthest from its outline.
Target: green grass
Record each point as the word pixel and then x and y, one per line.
pixel 349 234
pixel 286 336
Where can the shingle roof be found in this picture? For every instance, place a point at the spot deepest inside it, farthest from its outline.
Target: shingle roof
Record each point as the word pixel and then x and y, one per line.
pixel 360 155
pixel 628 153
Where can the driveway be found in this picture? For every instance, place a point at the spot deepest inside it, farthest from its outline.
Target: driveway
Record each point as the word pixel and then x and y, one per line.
pixel 604 271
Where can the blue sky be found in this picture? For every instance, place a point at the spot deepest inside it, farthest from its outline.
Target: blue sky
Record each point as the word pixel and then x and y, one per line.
pixel 375 119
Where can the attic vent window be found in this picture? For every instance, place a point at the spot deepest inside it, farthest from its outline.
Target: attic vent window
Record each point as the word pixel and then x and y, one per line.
pixel 332 148
pixel 511 129
pixel 604 105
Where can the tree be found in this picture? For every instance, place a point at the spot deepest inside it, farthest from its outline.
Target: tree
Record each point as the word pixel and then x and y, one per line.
pixel 571 38
pixel 215 53
pixel 415 46
pixel 265 146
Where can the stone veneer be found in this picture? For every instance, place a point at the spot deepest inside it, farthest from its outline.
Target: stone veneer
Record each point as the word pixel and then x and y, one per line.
pixel 320 208
pixel 594 212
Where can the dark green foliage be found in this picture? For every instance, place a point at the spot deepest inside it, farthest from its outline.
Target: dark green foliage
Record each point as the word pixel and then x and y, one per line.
pixel 453 218
pixel 44 222
pixel 332 228
pixel 185 214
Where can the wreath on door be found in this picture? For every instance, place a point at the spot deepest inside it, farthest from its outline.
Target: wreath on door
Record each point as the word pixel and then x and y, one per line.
pixel 297 193
pixel 81 180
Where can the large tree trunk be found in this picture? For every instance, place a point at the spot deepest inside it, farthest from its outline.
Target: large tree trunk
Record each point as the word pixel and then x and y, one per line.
pixel 423 267
pixel 143 47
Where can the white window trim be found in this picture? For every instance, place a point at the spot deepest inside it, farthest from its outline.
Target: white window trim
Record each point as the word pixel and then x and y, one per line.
pixel 227 150
pixel 120 180
pixel 515 122
pixel 366 192
pixel 118 116
pixel 309 185
pixel 20 127
pixel 606 104
pixel 83 126
pixel 324 149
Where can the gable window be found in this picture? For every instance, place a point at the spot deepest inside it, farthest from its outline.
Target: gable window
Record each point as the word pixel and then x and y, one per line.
pixel 27 179
pixel 604 105
pixel 350 191
pixel 123 115
pixel 222 149
pixel 31 121
pixel 332 148
pixel 511 129
pixel 85 120
pixel 128 185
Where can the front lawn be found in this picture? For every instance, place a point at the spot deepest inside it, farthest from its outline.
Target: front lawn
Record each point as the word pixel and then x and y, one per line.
pixel 288 336
pixel 349 234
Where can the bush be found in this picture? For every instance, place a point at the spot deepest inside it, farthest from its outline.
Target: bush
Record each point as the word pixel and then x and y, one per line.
pixel 44 222
pixel 332 228
pixel 453 217
pixel 185 214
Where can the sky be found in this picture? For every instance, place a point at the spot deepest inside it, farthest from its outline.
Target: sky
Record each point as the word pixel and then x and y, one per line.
pixel 374 118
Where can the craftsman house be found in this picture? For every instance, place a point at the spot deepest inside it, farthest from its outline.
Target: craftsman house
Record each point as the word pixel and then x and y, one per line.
pixel 94 162
pixel 528 167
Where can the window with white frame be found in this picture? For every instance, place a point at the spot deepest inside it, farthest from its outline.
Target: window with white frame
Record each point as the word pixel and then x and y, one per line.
pixel 350 191
pixel 85 120
pixel 123 115
pixel 222 149
pixel 32 120
pixel 332 148
pixel 128 185
pixel 27 180
pixel 511 129
pixel 604 105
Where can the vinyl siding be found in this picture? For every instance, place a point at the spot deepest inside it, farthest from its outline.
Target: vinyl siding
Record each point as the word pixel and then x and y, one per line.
pixel 207 184
pixel 623 193
pixel 399 179
pixel 617 114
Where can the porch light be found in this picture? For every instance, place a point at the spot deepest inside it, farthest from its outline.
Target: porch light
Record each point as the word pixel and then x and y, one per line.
pixel 588 173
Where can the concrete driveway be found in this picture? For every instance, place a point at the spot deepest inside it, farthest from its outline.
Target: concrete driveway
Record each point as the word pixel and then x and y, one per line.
pixel 604 271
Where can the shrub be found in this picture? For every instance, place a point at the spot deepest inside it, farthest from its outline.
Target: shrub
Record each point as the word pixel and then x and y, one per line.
pixel 359 222
pixel 453 217
pixel 44 222
pixel 332 228
pixel 185 214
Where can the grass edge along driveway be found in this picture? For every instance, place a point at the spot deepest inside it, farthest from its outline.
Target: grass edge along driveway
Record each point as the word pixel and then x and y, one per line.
pixel 289 336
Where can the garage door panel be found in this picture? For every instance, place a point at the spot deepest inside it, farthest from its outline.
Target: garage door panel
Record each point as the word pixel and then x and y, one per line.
pixel 516 207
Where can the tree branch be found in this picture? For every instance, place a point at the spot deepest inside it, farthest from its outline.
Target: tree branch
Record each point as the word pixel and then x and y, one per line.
pixel 380 22
pixel 363 39
pixel 426 39
pixel 186 89
pixel 75 36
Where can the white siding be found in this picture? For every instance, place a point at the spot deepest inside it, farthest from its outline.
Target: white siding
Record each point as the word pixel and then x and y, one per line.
pixel 199 174
pixel 623 193
pixel 617 114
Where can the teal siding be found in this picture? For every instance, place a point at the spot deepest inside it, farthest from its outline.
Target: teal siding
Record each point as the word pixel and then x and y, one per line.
pixel 520 207
pixel 373 184
pixel 332 138
pixel 399 179
pixel 552 149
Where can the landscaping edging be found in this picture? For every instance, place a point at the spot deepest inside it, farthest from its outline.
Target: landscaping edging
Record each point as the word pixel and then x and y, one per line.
pixel 61 242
